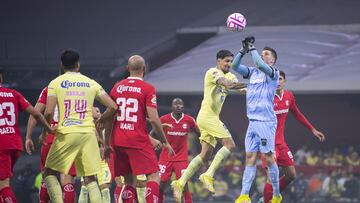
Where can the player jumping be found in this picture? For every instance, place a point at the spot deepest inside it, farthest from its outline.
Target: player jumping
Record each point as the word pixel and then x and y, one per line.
pixel 260 135
pixel 217 83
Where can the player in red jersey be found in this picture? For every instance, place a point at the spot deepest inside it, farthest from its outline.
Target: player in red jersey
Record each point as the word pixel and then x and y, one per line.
pixel 283 103
pixel 134 154
pixel 67 181
pixel 177 126
pixel 11 103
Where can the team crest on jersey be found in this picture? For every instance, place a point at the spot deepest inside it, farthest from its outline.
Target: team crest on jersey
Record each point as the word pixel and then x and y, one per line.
pixel 287 102
pixel 184 126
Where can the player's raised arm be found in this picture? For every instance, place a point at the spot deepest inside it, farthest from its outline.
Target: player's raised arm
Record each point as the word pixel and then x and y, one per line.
pixel 236 65
pixel 29 145
pixel 261 64
pixel 268 54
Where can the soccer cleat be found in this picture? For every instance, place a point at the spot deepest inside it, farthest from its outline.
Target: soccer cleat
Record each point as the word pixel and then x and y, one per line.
pixel 276 199
pixel 208 182
pixel 178 190
pixel 243 199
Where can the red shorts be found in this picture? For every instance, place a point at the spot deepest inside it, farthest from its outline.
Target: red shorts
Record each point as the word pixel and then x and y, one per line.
pixel 8 157
pixel 135 161
pixel 43 154
pixel 283 156
pixel 167 167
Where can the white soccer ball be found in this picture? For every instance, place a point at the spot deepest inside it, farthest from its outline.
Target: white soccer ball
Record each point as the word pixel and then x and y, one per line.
pixel 236 22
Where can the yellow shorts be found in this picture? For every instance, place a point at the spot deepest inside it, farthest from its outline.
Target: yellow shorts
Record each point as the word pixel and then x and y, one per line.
pixel 211 128
pixel 79 147
pixel 138 177
pixel 104 176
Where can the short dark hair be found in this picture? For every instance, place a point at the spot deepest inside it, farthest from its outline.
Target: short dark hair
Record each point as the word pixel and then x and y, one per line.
pixel 69 59
pixel 223 53
pixel 282 73
pixel 272 51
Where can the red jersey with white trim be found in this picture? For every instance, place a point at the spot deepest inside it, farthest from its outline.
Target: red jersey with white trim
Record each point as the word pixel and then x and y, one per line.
pixel 132 96
pixel 11 103
pixel 282 105
pixel 54 121
pixel 177 136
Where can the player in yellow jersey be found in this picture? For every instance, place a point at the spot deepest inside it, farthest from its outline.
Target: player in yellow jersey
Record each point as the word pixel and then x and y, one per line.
pixel 104 177
pixel 217 83
pixel 74 94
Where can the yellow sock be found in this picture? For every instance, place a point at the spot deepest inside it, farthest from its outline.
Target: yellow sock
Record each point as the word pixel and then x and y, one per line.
pixel 194 165
pixel 83 196
pixel 106 195
pixel 221 155
pixel 94 192
pixel 141 194
pixel 54 189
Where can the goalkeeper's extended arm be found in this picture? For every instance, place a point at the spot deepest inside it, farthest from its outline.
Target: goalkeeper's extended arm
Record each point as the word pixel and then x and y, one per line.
pixel 238 67
pixel 260 63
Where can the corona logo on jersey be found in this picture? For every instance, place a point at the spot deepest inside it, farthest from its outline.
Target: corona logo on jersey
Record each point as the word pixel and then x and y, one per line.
pixel 6 94
pixel 124 88
pixel 66 84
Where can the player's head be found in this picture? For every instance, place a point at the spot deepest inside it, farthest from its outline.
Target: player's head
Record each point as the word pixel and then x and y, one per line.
pixel 136 66
pixel 224 59
pixel 282 81
pixel 96 112
pixel 269 56
pixel 70 60
pixel 177 105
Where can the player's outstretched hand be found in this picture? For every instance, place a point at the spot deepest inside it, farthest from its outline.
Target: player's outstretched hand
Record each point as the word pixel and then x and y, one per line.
pixel 156 144
pixel 99 125
pixel 167 125
pixel 244 48
pixel 319 135
pixel 42 138
pixel 53 130
pixel 249 43
pixel 29 146
pixel 170 149
pixel 106 153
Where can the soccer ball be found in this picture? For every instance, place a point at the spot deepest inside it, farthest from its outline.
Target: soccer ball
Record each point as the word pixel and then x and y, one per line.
pixel 236 22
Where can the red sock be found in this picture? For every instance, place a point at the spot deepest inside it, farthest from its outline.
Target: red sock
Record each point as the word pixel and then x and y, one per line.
pixel 161 197
pixel 152 192
pixel 117 193
pixel 44 196
pixel 129 194
pixel 187 197
pixel 268 192
pixel 69 193
pixel 283 183
pixel 7 195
